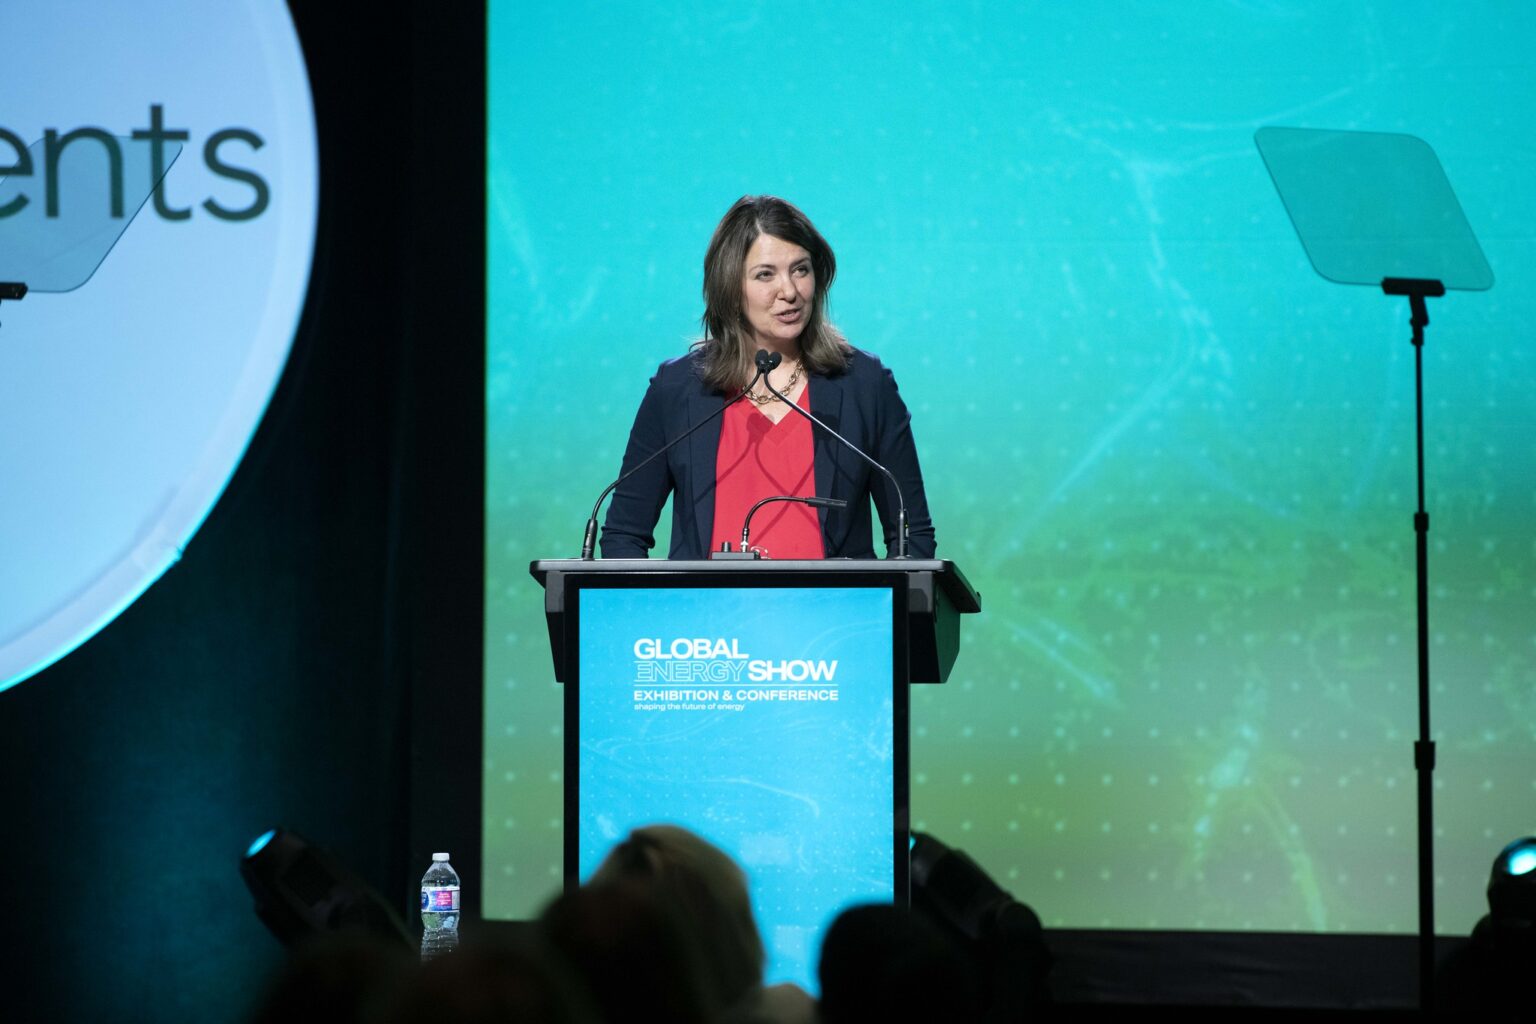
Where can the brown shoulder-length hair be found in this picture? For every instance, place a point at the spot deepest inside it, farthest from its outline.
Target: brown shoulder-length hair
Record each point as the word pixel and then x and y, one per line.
pixel 727 348
pixel 709 891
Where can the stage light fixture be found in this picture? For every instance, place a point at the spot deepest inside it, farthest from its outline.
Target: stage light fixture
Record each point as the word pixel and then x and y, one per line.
pixel 1512 885
pixel 1519 857
pixel 1490 974
pixel 949 885
pixel 301 891
pixel 259 843
pixel 1002 935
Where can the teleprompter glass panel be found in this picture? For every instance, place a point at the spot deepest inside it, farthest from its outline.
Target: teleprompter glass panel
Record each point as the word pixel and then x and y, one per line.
pixel 64 204
pixel 1373 205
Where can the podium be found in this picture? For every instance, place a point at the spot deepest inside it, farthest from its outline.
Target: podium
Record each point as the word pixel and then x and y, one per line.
pixel 761 704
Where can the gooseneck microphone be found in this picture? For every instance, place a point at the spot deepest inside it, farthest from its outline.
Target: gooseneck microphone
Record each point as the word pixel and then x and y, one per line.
pixel 589 539
pixel 767 361
pixel 746 525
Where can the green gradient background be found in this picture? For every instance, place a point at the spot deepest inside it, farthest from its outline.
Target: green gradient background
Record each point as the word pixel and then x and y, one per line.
pixel 1176 462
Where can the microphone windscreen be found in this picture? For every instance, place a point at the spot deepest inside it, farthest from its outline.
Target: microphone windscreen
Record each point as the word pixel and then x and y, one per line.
pixel 767 361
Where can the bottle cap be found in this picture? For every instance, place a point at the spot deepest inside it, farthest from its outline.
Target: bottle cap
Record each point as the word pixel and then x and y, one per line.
pixel 439 857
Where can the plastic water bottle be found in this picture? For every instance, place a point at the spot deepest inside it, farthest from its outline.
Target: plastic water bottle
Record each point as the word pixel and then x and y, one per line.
pixel 439 908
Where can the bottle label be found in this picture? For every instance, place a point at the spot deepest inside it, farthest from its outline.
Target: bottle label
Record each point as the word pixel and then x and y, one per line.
pixel 439 898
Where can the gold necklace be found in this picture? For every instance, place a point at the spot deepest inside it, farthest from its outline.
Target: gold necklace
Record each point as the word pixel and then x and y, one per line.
pixel 794 379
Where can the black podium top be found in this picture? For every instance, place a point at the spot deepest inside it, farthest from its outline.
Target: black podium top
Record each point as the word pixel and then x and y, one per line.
pixel 937 594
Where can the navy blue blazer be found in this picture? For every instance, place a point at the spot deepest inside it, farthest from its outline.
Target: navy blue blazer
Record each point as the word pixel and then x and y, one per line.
pixel 861 403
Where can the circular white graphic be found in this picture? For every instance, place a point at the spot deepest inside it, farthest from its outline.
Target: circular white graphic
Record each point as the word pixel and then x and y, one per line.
pixel 158 191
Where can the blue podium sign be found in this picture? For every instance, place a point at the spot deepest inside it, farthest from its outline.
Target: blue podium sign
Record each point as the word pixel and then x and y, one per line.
pixel 768 719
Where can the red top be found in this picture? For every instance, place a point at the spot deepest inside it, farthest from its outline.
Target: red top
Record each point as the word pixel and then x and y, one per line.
pixel 759 458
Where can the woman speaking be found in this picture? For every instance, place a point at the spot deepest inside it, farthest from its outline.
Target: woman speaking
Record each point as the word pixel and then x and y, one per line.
pixel 766 277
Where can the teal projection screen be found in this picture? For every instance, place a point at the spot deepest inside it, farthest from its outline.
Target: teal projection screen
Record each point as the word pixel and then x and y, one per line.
pixel 1176 462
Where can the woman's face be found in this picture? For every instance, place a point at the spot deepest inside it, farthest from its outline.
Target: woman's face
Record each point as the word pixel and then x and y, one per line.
pixel 777 288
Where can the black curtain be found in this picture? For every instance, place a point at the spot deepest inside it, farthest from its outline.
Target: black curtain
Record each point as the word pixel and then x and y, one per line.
pixel 314 659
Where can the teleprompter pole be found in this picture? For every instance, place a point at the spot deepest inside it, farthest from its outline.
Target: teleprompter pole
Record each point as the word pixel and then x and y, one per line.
pixel 1417 291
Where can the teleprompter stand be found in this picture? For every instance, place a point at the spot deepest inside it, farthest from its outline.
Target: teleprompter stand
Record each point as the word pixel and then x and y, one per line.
pixel 12 290
pixel 1377 209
